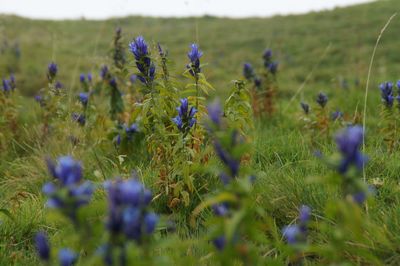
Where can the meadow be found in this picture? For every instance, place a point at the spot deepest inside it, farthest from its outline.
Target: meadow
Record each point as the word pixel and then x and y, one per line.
pixel 201 141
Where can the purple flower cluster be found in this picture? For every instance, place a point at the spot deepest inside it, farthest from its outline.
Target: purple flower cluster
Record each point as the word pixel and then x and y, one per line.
pixel 82 77
pixel 297 233
pixel 79 118
pixel 387 94
pixel 348 142
pixel 66 257
pixel 146 68
pixel 185 118
pixel 194 56
pixel 248 71
pixel 9 84
pixel 128 214
pixel 272 66
pixel 68 193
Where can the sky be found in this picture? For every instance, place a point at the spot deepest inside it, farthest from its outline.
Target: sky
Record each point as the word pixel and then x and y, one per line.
pixel 101 9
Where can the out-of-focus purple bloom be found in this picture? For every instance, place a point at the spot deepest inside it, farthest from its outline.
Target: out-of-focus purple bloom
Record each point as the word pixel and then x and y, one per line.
pixel 387 93
pixel 150 221
pixel 322 99
pixel 58 85
pixel 13 83
pixel 104 72
pixel 128 215
pixel 42 246
pixel 267 54
pixel 80 118
pixel 359 197
pixel 215 112
pixel 84 98
pixel 305 107
pixel 291 233
pixel 69 193
pixel 185 119
pixel 132 129
pixel 194 55
pixel 117 139
pixel 349 142
pixel 304 214
pixel 52 70
pixel 337 115
pixel 82 78
pixel 229 161
pixel 67 257
pixel 257 82
pixel 273 67
pixel 220 209
pixel 220 242
pixel 161 52
pixel 133 78
pixel 113 83
pixel 39 99
pixel 248 71
pixel 89 77
pixel 147 69
pixel 6 85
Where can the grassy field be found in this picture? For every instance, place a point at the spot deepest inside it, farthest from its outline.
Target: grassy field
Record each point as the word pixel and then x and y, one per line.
pixel 329 51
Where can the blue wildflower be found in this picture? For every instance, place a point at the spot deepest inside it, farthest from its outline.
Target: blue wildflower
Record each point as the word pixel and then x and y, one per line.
pixel 305 107
pixel 6 85
pixel 84 98
pixel 257 82
pixel 220 242
pixel 215 112
pixel 89 77
pixel 337 115
pixel 52 70
pixel 133 78
pixel 322 99
pixel 68 193
pixel 387 93
pixel 67 257
pixel 194 55
pixel 80 118
pixel 267 54
pixel 140 50
pixel 273 67
pixel 150 222
pixel 42 246
pixel 82 78
pixel 220 209
pixel 248 71
pixel 228 159
pixel 291 233
pixel 58 85
pixel 348 142
pixel 104 72
pixel 185 119
pixel 130 130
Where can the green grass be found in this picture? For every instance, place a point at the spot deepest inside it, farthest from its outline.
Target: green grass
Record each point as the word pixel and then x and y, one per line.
pixel 282 156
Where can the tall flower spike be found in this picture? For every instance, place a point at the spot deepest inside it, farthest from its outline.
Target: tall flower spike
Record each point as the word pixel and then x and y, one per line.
pixel 140 50
pixel 185 118
pixel 194 55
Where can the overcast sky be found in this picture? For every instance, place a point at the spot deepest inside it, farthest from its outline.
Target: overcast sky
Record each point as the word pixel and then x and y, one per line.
pixel 100 9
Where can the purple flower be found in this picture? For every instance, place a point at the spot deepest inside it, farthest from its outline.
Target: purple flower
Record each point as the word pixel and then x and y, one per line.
pixel 257 82
pixel 228 159
pixel 6 85
pixel 67 257
pixel 84 98
pixel 146 68
pixel 248 71
pixel 69 193
pixel 133 78
pixel 104 72
pixel 219 242
pixel 267 54
pixel 215 112
pixel 185 119
pixel 273 67
pixel 305 107
pixel 132 129
pixel 348 142
pixel 82 78
pixel 336 115
pixel 52 70
pixel 387 93
pixel 220 209
pixel 304 214
pixel 58 85
pixel 194 55
pixel 291 233
pixel 150 222
pixel 80 118
pixel 89 77
pixel 42 246
pixel 322 99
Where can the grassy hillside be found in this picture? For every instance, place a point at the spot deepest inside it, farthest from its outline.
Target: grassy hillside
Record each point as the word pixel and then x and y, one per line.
pixel 298 41
pixel 337 44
